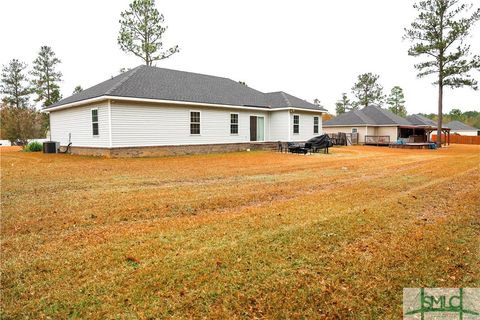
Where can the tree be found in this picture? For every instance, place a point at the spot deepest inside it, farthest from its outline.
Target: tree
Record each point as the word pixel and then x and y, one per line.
pixel 396 101
pixel 14 84
pixel 439 34
pixel 317 103
pixel 367 90
pixel 141 32
pixel 46 77
pixel 77 89
pixel 343 105
pixel 21 124
pixel 456 114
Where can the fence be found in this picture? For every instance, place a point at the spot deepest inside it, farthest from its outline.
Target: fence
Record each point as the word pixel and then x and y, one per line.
pixel 455 138
pixel 344 139
pixel 377 140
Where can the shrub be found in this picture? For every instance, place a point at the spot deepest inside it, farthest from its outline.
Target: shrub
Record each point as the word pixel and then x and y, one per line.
pixel 33 146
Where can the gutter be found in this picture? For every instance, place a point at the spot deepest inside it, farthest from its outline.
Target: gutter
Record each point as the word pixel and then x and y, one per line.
pixel 171 102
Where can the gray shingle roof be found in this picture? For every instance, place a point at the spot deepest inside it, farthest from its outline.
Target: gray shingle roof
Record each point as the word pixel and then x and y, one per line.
pixel 419 120
pixel 457 125
pixel 371 115
pixel 166 84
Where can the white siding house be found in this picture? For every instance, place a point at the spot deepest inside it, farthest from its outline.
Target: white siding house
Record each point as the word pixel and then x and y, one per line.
pixel 152 107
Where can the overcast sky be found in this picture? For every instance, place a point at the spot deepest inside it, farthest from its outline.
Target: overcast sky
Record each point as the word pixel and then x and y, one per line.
pixel 311 49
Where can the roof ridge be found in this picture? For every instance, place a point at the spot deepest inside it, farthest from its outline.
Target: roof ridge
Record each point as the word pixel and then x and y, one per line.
pixel 122 81
pixel 363 116
pixel 286 98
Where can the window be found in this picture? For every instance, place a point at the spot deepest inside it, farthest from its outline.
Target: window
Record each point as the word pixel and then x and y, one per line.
pixel 354 130
pixel 315 124
pixel 194 122
pixel 296 124
pixel 233 123
pixel 95 122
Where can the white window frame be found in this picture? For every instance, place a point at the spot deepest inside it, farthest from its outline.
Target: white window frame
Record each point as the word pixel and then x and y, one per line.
pixel 237 124
pixel 95 122
pixel 298 124
pixel 190 122
pixel 317 125
pixel 354 130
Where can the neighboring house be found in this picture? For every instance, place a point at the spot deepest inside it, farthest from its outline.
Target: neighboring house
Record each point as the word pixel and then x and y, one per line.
pixel 369 122
pixel 152 111
pixel 457 127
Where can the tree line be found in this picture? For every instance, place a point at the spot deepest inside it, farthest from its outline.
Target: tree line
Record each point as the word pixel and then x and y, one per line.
pixel 472 118
pixel 20 118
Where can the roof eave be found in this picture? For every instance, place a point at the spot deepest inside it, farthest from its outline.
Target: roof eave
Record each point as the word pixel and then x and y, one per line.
pixel 132 99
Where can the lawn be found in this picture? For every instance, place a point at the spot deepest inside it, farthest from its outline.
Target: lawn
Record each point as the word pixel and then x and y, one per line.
pixel 240 235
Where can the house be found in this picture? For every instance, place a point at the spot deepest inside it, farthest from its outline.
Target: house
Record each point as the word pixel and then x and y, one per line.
pixel 156 111
pixel 463 129
pixel 373 124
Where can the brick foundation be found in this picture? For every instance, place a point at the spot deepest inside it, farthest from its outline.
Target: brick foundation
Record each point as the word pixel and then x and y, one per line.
pixel 160 151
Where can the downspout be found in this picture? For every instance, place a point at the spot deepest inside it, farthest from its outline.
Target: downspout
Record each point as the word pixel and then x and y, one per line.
pixel 289 125
pixel 110 142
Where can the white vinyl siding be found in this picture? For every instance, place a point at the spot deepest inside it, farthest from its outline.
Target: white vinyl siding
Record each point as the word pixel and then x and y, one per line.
pixel 279 125
pixel 160 125
pixel 306 124
pixel 77 122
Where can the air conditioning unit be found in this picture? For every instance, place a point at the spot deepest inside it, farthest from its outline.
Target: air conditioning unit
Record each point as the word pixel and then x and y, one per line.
pixel 51 146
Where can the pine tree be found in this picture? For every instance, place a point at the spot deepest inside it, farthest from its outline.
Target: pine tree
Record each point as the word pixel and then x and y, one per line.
pixel 141 32
pixel 14 84
pixel 396 101
pixel 343 105
pixel 77 89
pixel 367 90
pixel 440 34
pixel 46 78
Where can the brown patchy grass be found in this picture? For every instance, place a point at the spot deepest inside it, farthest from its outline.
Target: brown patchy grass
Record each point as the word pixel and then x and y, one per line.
pixel 243 235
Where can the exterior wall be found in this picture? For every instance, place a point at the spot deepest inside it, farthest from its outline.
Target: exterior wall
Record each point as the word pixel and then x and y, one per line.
pixel 392 132
pixel 306 126
pixel 156 151
pixel 155 125
pixel 464 133
pixel 363 131
pixel 77 121
pixel 279 125
pixel 133 124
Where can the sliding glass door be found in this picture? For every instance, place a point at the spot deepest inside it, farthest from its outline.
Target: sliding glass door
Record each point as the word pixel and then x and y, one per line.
pixel 257 128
